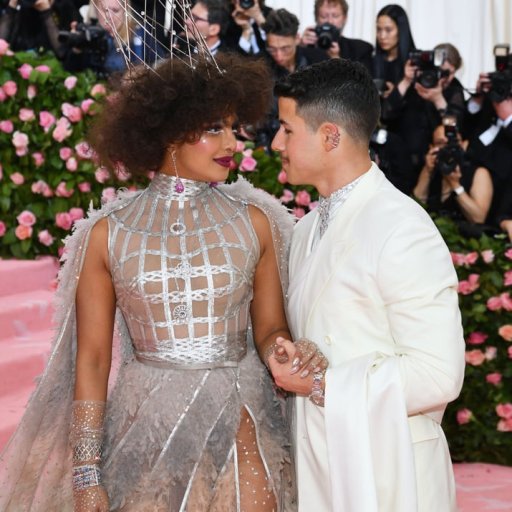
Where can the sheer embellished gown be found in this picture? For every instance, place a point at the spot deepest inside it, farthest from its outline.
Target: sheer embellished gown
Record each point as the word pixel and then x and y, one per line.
pixel 193 422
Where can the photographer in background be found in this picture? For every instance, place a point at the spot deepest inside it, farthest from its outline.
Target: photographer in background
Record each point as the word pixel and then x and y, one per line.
pixel 245 28
pixel 330 18
pixel 450 183
pixel 34 25
pixel 490 131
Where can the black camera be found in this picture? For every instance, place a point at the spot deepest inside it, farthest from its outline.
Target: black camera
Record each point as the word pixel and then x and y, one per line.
pixel 429 63
pixel 92 37
pixel 246 4
pixel 380 85
pixel 326 35
pixel 501 79
pixel 452 154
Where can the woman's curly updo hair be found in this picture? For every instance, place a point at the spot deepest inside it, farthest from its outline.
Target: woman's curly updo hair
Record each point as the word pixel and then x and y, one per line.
pixel 176 104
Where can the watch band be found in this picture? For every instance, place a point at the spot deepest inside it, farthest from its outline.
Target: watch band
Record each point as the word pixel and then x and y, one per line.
pixel 459 190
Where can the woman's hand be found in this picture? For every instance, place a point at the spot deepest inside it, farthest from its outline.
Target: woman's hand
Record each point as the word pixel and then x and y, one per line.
pixel 453 179
pixel 92 499
pixel 430 159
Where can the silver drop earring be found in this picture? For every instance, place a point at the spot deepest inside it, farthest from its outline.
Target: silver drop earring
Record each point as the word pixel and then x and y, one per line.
pixel 179 187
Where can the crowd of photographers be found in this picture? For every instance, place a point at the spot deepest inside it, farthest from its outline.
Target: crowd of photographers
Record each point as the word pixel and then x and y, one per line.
pixel 448 146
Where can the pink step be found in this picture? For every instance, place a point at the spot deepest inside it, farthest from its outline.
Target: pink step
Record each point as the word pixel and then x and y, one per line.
pixel 23 276
pixel 483 487
pixel 12 407
pixel 23 314
pixel 23 360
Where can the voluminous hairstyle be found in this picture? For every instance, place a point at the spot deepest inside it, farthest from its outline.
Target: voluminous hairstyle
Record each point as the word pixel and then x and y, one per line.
pixel 342 3
pixel 281 23
pixel 336 91
pixel 405 40
pixel 176 104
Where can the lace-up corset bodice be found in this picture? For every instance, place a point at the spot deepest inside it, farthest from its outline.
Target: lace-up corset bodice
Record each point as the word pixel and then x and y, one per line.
pixel 183 266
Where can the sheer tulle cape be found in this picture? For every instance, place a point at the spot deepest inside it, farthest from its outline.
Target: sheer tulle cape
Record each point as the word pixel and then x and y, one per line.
pixel 169 433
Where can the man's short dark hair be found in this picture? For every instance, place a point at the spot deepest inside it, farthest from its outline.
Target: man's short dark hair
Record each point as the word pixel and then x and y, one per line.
pixel 342 3
pixel 218 13
pixel 337 91
pixel 281 22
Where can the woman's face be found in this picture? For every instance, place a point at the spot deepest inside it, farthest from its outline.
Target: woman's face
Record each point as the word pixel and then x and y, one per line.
pixel 211 157
pixel 387 33
pixel 111 15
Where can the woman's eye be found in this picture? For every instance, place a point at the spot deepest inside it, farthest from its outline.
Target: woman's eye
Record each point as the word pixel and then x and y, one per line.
pixel 216 129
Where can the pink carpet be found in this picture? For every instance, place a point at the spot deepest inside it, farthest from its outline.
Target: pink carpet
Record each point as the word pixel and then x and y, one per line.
pixel 26 291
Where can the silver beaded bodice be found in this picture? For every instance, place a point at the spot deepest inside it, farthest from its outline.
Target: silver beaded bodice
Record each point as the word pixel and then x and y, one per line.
pixel 182 266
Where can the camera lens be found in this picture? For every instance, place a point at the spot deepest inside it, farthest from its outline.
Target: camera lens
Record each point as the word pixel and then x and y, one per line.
pixel 246 4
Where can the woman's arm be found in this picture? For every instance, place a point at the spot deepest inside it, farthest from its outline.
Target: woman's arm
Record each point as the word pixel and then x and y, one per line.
pixel 267 308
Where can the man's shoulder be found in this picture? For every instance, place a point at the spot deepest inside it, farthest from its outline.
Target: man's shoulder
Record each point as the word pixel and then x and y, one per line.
pixel 357 46
pixel 311 54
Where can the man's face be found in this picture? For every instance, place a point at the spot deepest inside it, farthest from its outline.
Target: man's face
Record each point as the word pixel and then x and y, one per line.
pixel 202 26
pixel 299 146
pixel 333 14
pixel 282 49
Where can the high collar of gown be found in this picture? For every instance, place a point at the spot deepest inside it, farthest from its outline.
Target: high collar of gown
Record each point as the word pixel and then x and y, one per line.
pixel 164 186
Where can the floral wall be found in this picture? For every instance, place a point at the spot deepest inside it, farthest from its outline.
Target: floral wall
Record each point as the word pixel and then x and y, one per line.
pixel 48 180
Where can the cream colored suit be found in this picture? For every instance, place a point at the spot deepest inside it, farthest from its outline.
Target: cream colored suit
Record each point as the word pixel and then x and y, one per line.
pixel 378 296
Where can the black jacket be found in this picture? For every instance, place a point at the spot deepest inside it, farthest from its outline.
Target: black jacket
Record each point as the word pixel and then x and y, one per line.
pixel 357 50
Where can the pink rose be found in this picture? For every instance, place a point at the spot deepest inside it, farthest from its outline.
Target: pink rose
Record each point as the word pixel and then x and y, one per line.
pixel 83 150
pixel 17 178
pixel 62 130
pixel 493 378
pixel 65 153
pixel 248 163
pixel 464 416
pixel 23 232
pixel 471 258
pixel 3 96
pixel 98 90
pixel 299 212
pixel 46 238
pixel 507 278
pixel 508 253
pixel 24 70
pixel 509 352
pixel 494 304
pixel 6 126
pixel 20 142
pixel 84 187
pixel 475 357
pixel 108 194
pixel 1 172
pixel 240 146
pixel 477 338
pixel 282 177
pixel 46 120
pixel 469 286
pixel 247 152
pixel 41 187
pixel 26 218
pixel 71 164
pixel 457 258
pixel 76 214
pixel 102 175
pixel 26 114
pixel 63 221
pixel 505 331
pixel 287 196
pixel 38 158
pixel 491 353
pixel 43 68
pixel 505 425
pixel 504 410
pixel 74 114
pixel 31 92
pixel 86 105
pixel 487 255
pixel 70 82
pixel 313 205
pixel 302 198
pixel 10 88
pixel 4 47
pixel 63 191
pixel 506 301
pixel 3 227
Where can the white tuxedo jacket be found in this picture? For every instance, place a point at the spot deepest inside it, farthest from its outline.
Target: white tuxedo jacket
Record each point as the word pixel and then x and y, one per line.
pixel 378 296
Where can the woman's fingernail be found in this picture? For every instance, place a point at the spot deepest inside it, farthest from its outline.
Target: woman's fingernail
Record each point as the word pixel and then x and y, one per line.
pixel 296 362
pixel 304 374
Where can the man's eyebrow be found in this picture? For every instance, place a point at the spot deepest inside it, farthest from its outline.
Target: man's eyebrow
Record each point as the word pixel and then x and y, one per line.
pixel 282 121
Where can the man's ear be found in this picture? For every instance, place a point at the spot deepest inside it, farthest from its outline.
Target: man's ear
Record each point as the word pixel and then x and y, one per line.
pixel 214 29
pixel 331 135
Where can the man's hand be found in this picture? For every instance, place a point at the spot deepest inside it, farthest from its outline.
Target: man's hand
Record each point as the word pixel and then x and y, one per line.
pixel 334 50
pixel 309 38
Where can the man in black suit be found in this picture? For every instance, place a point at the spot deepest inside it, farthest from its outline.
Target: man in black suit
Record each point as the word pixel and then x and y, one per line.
pixel 334 13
